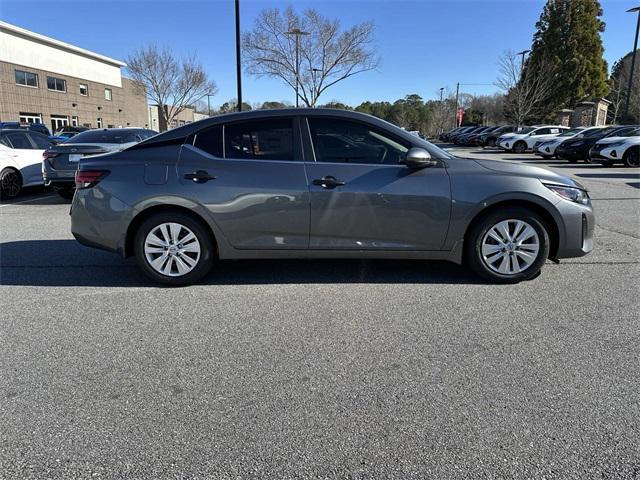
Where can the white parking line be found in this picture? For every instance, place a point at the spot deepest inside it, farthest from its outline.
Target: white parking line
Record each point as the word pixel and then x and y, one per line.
pixel 28 201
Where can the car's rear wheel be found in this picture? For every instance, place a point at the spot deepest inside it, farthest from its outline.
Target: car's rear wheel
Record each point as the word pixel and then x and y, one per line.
pixel 508 246
pixel 520 147
pixel 10 183
pixel 632 157
pixel 174 249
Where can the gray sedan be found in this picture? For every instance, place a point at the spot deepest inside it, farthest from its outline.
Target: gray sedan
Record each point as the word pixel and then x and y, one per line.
pixel 316 183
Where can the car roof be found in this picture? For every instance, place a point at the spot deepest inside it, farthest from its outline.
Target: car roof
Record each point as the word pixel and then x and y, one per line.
pixel 184 131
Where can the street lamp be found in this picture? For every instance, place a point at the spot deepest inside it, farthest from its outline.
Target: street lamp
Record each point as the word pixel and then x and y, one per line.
pixel 238 69
pixel 313 75
pixel 297 32
pixel 633 61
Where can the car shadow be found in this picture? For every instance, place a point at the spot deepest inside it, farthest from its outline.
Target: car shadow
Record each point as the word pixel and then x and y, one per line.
pixel 37 196
pixel 632 176
pixel 66 263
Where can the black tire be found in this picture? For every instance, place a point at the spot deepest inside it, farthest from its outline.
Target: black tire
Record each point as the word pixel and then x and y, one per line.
pixel 477 232
pixel 66 192
pixel 10 183
pixel 547 157
pixel 632 157
pixel 206 242
pixel 520 147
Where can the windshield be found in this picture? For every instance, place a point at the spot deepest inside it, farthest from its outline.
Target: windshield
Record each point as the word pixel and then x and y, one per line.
pixel 107 136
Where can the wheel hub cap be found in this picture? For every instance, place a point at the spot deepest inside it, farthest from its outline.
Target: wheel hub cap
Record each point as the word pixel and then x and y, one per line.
pixel 172 249
pixel 510 247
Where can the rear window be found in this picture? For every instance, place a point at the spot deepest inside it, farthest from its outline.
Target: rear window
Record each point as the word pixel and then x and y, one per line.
pixel 108 136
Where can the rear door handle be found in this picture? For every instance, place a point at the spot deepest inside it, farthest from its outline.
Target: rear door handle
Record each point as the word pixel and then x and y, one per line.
pixel 200 176
pixel 328 182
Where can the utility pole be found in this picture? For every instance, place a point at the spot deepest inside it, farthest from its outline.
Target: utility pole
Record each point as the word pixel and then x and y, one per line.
pixel 209 104
pixel 238 63
pixel 523 53
pixel 297 32
pixel 633 63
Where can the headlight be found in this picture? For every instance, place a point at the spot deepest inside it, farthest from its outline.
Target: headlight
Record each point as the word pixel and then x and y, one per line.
pixel 572 194
pixel 611 145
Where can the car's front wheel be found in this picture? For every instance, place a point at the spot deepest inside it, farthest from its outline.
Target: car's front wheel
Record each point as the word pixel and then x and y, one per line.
pixel 632 157
pixel 174 249
pixel 10 183
pixel 520 147
pixel 508 246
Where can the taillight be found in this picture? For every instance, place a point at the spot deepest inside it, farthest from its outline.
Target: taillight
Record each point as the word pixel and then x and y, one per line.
pixel 89 178
pixel 47 154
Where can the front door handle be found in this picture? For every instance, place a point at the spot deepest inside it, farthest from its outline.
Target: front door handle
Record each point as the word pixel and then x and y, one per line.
pixel 328 182
pixel 200 176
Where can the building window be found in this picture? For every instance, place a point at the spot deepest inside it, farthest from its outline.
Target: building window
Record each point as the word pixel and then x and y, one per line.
pixel 99 122
pixel 26 79
pixel 58 121
pixel 56 84
pixel 107 94
pixel 84 89
pixel 30 117
pixel 74 121
pixel 110 126
pixel 88 125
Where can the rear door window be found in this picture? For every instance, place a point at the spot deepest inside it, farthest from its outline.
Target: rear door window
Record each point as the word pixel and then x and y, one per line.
pixel 269 139
pixel 210 140
pixel 20 140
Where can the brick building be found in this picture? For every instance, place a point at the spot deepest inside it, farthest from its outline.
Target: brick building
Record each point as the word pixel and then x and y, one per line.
pixel 51 82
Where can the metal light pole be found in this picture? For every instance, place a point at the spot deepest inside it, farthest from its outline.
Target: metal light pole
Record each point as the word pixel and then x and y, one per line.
pixel 297 32
pixel 209 104
pixel 633 62
pixel 238 68
pixel 441 119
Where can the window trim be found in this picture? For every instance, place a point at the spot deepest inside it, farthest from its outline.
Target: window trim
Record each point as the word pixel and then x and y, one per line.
pixel 55 90
pixel 373 127
pixel 110 99
pixel 37 85
pixel 86 85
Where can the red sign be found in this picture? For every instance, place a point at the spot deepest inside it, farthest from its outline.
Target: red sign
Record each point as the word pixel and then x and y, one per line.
pixel 460 115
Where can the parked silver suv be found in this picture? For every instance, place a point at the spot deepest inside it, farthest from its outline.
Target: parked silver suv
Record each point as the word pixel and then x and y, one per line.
pixel 321 183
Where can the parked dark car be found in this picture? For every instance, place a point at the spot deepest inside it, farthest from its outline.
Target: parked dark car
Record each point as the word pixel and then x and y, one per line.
pixel 578 149
pixel 615 140
pixel 462 131
pixel 458 139
pixel 444 137
pixel 464 139
pixel 321 183
pixel 61 161
pixel 488 139
pixel 34 127
pixel 472 138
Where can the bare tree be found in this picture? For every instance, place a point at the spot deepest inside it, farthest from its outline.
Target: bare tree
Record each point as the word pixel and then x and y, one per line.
pixel 327 54
pixel 525 89
pixel 171 83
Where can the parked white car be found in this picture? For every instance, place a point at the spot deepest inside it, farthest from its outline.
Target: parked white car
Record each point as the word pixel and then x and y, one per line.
pixel 612 150
pixel 525 140
pixel 20 160
pixel 547 148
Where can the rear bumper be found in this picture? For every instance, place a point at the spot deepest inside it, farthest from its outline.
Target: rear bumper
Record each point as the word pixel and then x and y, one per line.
pixel 57 178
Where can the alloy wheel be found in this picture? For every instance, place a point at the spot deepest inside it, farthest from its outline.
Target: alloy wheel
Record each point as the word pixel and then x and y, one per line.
pixel 632 159
pixel 10 184
pixel 172 249
pixel 510 247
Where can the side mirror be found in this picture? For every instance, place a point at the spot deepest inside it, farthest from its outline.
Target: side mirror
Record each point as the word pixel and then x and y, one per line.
pixel 418 158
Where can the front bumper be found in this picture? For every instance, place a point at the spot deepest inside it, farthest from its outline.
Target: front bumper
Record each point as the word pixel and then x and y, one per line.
pixel 572 153
pixel 579 224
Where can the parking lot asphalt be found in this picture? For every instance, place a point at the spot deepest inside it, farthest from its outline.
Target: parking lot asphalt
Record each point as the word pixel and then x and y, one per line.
pixel 320 369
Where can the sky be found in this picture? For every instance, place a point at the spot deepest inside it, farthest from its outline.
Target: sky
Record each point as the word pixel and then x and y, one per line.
pixel 423 44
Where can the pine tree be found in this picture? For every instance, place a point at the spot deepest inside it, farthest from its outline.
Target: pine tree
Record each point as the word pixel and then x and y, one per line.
pixel 568 37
